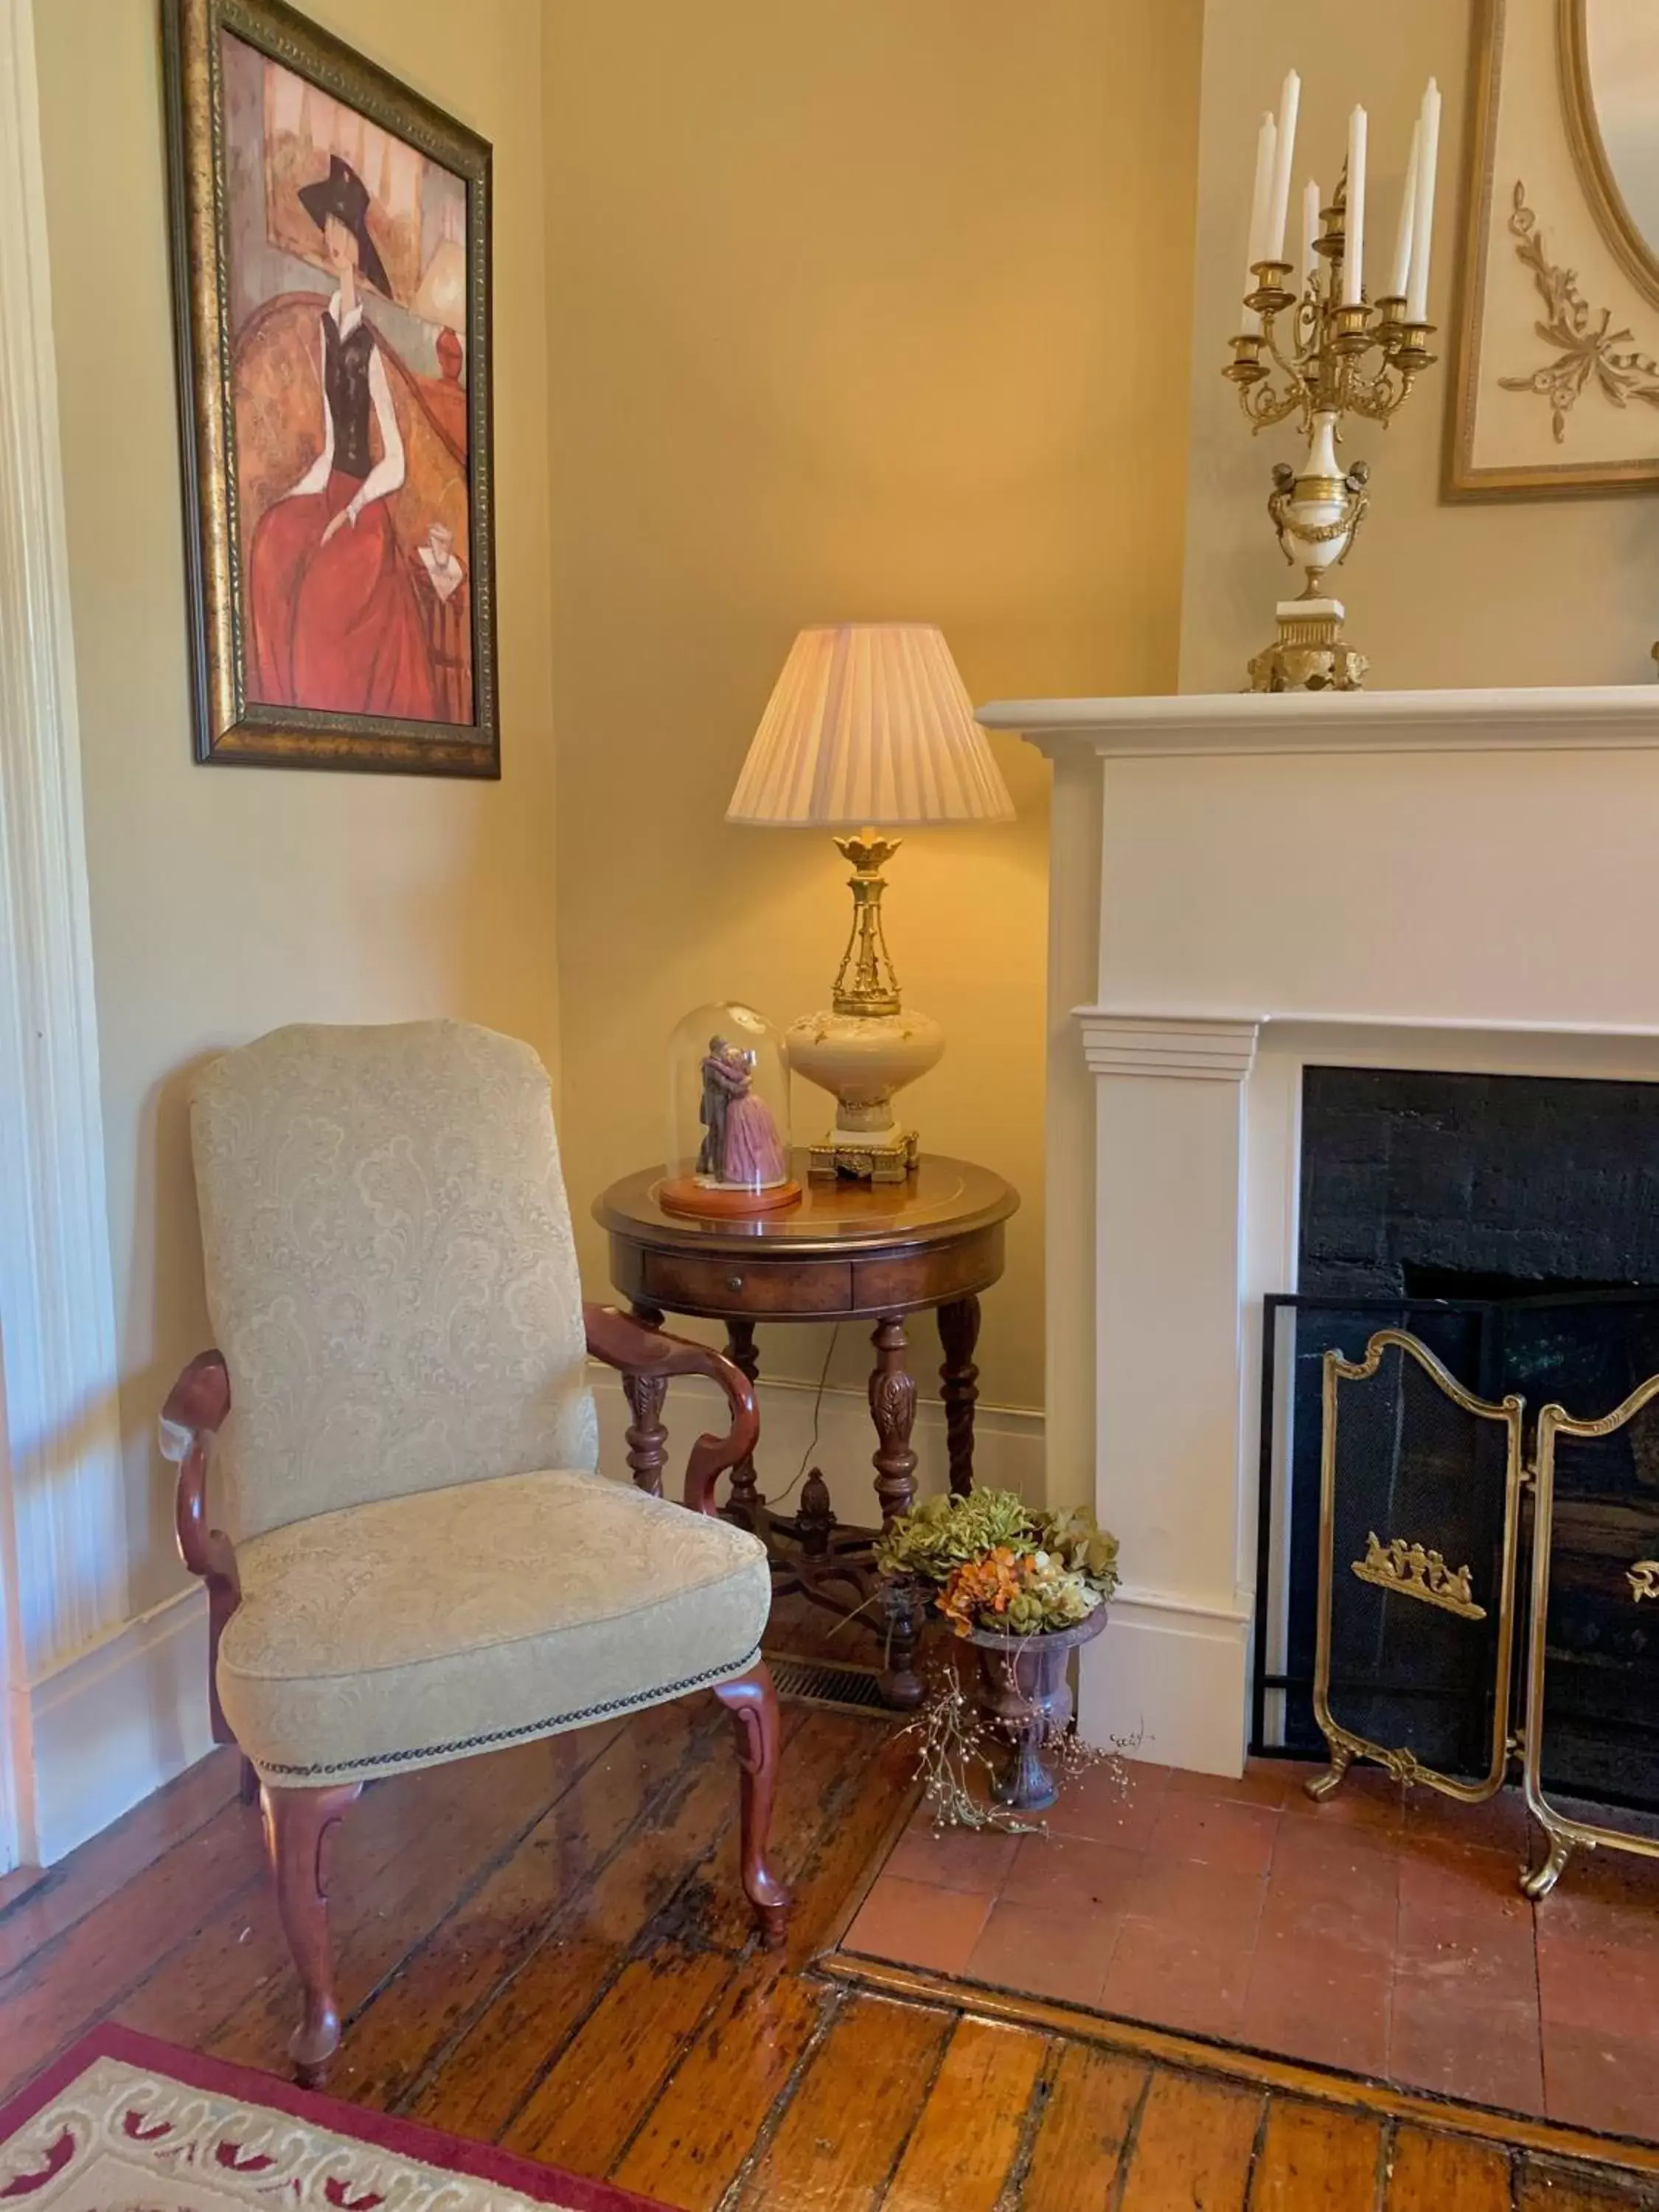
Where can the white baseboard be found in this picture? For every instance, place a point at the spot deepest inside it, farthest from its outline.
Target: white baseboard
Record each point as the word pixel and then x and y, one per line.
pixel 114 1723
pixel 1008 1450
pixel 1171 1677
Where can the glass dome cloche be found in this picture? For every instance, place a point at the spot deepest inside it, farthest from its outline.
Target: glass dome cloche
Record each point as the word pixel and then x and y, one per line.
pixel 728 1116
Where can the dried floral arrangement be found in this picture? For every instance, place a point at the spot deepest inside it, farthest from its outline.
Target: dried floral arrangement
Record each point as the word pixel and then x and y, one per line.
pixel 993 1562
pixel 958 1772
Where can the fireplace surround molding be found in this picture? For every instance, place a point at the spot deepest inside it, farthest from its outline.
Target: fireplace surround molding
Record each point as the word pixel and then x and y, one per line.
pixel 1241 887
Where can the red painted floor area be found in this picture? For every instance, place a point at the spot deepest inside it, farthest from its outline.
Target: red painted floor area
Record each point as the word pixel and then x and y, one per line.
pixel 1379 1932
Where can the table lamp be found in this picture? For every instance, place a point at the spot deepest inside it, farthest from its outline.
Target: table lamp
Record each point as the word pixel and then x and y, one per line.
pixel 868 723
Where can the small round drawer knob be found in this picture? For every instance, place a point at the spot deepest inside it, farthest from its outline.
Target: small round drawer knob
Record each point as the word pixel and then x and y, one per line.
pixel 734 1282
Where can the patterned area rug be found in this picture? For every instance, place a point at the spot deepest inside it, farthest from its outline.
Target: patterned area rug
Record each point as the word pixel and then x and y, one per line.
pixel 124 2124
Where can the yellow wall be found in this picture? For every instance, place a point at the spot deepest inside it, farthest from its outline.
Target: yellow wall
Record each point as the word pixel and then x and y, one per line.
pixel 1512 591
pixel 226 900
pixel 848 317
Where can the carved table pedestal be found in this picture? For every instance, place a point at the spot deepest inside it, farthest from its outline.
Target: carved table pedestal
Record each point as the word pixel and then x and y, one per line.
pixel 848 1251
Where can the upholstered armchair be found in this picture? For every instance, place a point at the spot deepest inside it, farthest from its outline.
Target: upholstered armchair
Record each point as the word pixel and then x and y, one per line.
pixel 413 1556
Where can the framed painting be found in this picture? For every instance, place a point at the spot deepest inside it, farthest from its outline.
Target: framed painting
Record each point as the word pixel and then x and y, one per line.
pixel 1555 382
pixel 332 290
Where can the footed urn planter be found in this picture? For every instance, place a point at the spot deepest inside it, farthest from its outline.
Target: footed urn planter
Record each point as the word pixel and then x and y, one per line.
pixel 1026 1695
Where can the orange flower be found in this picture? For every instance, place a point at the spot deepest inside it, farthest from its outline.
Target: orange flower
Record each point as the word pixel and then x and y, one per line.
pixel 981 1586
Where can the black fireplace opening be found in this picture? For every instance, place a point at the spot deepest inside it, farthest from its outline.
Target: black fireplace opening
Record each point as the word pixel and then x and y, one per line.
pixel 1512 1224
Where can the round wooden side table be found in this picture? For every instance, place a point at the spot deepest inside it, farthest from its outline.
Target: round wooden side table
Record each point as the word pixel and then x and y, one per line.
pixel 848 1251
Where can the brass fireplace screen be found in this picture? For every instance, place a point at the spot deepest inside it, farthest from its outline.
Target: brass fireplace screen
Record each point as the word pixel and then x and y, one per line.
pixel 1440 1585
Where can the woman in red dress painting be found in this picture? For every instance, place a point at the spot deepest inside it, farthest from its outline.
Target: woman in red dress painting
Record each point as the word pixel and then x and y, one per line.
pixel 334 624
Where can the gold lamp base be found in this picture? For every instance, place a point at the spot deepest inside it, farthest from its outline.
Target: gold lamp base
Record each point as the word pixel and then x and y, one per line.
pixel 867 1046
pixel 842 1154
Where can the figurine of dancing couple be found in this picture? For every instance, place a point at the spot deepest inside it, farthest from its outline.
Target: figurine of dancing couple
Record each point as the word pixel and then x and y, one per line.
pixel 729 1141
pixel 741 1147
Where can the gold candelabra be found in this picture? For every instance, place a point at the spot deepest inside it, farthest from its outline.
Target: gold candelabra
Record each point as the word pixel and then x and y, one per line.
pixel 1317 359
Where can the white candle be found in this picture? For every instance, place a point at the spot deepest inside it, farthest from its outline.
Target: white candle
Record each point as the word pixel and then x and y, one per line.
pixel 1428 154
pixel 1353 250
pixel 1289 100
pixel 1310 231
pixel 1402 237
pixel 1265 139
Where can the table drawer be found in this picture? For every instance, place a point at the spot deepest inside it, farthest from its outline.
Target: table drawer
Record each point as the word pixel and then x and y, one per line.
pixel 733 1284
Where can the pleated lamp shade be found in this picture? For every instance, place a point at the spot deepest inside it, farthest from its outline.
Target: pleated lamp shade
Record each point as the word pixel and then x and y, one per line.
pixel 869 723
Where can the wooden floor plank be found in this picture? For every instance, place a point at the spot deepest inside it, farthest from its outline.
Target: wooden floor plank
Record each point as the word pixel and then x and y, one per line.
pixel 61 1989
pixel 1092 2102
pixel 607 2076
pixel 1428 2172
pixel 191 1995
pixel 843 1854
pixel 688 1952
pixel 963 2148
pixel 1547 2184
pixel 845 2126
pixel 479 2083
pixel 1314 2160
pixel 705 2123
pixel 446 1981
pixel 1165 2047
pixel 1193 2147
pixel 49 1903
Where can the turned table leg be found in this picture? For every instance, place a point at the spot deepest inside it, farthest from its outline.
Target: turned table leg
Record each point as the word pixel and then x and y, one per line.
pixel 648 1438
pixel 958 1333
pixel 744 1504
pixel 893 1409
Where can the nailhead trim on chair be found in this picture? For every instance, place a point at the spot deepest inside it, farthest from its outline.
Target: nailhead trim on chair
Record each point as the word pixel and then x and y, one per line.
pixel 436 1751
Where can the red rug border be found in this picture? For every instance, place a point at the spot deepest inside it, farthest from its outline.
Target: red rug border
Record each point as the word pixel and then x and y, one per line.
pixel 453 2153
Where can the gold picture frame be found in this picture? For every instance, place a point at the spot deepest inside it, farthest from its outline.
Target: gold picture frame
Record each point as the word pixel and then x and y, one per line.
pixel 337 448
pixel 1575 345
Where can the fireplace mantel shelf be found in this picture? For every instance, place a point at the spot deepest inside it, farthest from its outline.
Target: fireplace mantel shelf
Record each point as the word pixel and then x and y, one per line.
pixel 1578 718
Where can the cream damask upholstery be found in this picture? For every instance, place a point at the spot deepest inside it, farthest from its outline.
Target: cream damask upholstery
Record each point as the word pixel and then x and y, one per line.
pixel 429 1564
pixel 419 1629
pixel 390 1268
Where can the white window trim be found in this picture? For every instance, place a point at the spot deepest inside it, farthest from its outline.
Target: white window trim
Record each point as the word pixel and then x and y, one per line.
pixel 64 1576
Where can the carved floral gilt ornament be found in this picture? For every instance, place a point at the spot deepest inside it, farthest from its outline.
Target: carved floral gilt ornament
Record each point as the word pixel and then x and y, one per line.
pixel 1592 354
pixel 1554 334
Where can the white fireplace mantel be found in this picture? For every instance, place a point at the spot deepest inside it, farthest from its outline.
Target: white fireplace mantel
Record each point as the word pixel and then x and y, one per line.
pixel 1241 886
pixel 1573 717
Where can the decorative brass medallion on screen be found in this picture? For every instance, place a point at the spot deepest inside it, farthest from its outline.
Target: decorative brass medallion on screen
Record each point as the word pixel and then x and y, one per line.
pixel 1407 1568
pixel 331 260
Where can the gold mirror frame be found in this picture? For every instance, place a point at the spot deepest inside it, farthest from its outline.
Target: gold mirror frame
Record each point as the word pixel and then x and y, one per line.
pixel 1638 260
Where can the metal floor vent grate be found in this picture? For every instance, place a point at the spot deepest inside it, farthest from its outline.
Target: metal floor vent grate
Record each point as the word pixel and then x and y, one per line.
pixel 818 1682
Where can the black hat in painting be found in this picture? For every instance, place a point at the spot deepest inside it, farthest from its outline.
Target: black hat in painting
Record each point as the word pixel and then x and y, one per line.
pixel 343 195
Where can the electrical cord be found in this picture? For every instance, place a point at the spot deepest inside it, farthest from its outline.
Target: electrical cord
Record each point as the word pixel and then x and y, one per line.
pixel 807 1457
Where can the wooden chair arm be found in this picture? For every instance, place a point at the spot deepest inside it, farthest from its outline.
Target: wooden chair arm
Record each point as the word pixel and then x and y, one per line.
pixel 627 1344
pixel 195 1410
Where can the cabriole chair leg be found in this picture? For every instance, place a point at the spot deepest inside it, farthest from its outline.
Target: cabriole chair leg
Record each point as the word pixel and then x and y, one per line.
pixel 753 1704
pixel 298 1824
